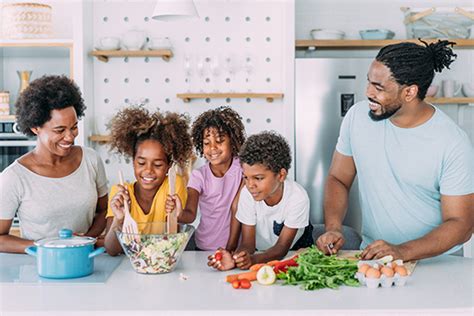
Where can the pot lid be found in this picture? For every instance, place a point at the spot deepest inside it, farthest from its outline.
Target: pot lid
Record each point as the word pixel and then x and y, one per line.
pixel 65 240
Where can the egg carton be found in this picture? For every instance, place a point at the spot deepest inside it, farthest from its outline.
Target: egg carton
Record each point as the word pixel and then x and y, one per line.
pixel 383 280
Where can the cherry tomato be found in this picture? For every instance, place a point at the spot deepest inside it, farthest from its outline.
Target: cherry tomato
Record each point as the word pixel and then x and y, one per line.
pixel 218 255
pixel 245 284
pixel 236 284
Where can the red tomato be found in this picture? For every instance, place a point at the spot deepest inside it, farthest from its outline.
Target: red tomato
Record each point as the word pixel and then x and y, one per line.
pixel 218 255
pixel 236 284
pixel 245 284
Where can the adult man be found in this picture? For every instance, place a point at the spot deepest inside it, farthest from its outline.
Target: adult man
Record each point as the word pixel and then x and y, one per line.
pixel 414 164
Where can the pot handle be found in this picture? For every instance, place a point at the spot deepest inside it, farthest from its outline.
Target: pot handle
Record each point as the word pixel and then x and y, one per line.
pixel 96 252
pixel 31 250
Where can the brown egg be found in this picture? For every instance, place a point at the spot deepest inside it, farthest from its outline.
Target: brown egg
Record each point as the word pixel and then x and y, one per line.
pixel 393 264
pixel 387 271
pixel 372 273
pixel 363 268
pixel 401 270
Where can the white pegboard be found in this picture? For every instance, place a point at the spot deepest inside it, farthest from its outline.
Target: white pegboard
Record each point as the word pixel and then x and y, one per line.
pixel 225 29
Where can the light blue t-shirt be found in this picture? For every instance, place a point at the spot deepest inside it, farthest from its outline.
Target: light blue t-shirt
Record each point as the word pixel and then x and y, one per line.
pixel 402 172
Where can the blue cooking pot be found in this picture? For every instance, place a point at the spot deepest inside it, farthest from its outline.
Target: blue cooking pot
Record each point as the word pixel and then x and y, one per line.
pixel 66 256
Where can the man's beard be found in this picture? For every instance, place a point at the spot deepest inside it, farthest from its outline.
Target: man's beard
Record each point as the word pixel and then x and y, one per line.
pixel 384 115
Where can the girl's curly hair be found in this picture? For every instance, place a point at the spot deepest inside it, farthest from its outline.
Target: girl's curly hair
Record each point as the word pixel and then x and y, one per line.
pixel 43 95
pixel 226 121
pixel 133 125
pixel 267 148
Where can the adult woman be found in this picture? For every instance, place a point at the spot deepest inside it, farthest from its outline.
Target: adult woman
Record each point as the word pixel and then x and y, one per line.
pixel 56 185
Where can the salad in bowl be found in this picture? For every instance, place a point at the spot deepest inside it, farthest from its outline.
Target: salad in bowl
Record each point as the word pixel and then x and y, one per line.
pixel 153 250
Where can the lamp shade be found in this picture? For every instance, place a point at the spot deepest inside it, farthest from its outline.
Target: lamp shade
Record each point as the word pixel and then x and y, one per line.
pixel 171 10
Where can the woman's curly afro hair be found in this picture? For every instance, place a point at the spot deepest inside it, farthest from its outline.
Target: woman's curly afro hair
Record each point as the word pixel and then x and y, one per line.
pixel 34 106
pixel 226 121
pixel 267 148
pixel 133 125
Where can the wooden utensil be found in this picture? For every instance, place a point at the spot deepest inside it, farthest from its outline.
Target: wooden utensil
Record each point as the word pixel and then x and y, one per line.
pixel 172 220
pixel 129 226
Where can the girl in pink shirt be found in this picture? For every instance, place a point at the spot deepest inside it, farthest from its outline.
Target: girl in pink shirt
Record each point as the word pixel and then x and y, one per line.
pixel 217 135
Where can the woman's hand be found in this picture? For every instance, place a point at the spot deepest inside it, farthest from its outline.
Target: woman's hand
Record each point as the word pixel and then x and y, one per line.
pixel 117 202
pixel 221 260
pixel 243 260
pixel 173 202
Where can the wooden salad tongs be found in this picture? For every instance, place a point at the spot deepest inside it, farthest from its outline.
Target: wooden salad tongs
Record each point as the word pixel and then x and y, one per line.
pixel 172 219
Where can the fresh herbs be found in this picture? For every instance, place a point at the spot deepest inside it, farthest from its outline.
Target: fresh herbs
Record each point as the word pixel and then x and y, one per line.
pixel 316 271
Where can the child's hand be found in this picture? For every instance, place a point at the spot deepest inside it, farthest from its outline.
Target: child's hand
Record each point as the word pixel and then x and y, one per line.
pixel 221 260
pixel 117 202
pixel 243 260
pixel 172 202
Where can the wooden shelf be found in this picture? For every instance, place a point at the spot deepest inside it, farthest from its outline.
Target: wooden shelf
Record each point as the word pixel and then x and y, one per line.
pixel 367 44
pixel 187 97
pixel 104 55
pixel 100 138
pixel 450 100
pixel 36 43
pixel 7 117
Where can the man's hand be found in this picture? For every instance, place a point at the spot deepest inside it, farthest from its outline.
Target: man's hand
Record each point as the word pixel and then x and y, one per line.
pixel 243 260
pixel 330 242
pixel 380 248
pixel 221 260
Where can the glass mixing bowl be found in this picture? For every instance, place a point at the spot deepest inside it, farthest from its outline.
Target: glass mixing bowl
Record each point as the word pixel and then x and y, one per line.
pixel 153 250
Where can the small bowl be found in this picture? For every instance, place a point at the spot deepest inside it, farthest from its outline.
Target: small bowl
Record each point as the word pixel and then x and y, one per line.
pixel 432 90
pixel 468 90
pixel 376 34
pixel 156 43
pixel 153 251
pixel 108 43
pixel 323 34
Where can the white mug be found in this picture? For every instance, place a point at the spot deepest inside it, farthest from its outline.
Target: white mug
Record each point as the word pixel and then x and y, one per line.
pixel 134 39
pixel 109 43
pixel 450 88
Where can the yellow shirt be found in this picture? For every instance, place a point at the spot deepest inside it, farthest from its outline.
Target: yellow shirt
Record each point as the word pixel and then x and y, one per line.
pixel 157 212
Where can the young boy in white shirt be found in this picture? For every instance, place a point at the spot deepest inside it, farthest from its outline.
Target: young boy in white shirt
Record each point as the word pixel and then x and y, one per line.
pixel 273 210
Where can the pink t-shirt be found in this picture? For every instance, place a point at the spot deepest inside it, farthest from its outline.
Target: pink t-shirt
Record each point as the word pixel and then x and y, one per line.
pixel 215 199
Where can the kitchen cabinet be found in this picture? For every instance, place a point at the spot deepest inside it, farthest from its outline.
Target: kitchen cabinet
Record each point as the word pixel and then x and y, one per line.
pixel 205 292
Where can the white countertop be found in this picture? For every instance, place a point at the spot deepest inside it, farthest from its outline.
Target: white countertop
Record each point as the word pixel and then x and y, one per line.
pixel 441 285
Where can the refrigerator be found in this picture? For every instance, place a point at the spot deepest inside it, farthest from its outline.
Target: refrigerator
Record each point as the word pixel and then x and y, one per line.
pixel 325 89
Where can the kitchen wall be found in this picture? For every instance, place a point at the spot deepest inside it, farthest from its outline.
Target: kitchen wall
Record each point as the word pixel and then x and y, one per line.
pixel 258 30
pixel 352 16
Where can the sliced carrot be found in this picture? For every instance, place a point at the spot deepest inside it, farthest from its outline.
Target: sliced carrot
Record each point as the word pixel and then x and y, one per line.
pixel 231 278
pixel 272 263
pixel 249 275
pixel 257 266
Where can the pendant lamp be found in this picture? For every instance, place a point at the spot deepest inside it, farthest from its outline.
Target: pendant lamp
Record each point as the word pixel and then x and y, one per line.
pixel 172 10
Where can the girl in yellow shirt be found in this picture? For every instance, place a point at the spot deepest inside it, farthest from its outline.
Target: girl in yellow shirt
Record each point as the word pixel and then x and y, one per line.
pixel 154 141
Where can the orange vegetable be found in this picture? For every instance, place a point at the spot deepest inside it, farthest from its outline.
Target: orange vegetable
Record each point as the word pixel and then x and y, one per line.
pixel 250 275
pixel 245 284
pixel 257 266
pixel 272 263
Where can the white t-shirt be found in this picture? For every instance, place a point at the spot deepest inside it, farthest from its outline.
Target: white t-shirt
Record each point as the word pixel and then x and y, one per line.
pixel 292 211
pixel 45 205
